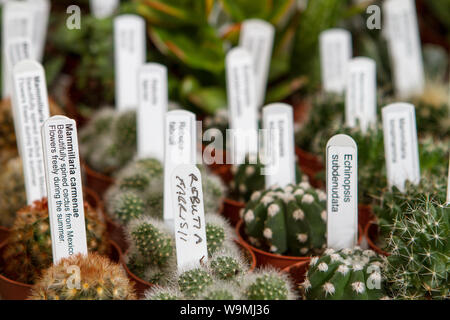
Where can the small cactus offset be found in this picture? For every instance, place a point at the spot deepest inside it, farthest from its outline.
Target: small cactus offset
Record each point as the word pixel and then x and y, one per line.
pixel 99 279
pixel 418 265
pixel 193 281
pixel 347 274
pixel 268 284
pixel 28 248
pixel 162 293
pixel 12 191
pixel 290 220
pixel 219 234
pixel 226 265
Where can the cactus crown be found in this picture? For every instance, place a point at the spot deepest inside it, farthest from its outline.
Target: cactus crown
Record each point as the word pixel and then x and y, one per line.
pixel 268 284
pixel 291 220
pixel 28 247
pixel 419 245
pixel 192 282
pixel 227 265
pixel 99 279
pixel 162 293
pixel 345 274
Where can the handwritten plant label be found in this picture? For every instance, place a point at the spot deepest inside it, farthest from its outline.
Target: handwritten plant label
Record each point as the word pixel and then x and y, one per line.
pixel 342 192
pixel 129 56
pixel 30 110
pixel 257 38
pixel 41 13
pixel 17 22
pixel 65 195
pixel 152 108
pixel 242 105
pixel 404 46
pixel 103 8
pixel 189 216
pixel 361 93
pixel 335 52
pixel 400 144
pixel 180 136
pixel 279 145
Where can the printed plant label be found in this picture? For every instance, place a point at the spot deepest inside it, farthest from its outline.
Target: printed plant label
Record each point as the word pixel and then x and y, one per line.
pixel 242 105
pixel 278 145
pixel 335 53
pixel 342 192
pixel 361 93
pixel 65 194
pixel 257 38
pixel 400 144
pixel 129 56
pixel 30 110
pixel 189 216
pixel 404 47
pixel 152 108
pixel 41 13
pixel 180 148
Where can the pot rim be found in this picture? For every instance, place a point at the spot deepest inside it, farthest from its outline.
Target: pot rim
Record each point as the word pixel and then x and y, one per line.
pixel 372 244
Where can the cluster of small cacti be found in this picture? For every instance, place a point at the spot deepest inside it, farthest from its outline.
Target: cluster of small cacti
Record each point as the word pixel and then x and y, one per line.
pixel 139 189
pixel 28 248
pixel 202 283
pixel 81 277
pixel 289 220
pixel 346 274
pixel 12 191
pixel 108 141
pixel 418 264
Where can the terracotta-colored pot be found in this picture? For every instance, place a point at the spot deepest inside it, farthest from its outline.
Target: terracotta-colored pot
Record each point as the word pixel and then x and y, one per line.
pixel 309 160
pixel 365 215
pixel 14 290
pixel 3 233
pixel 372 232
pixel 96 180
pixel 231 209
pixel 297 272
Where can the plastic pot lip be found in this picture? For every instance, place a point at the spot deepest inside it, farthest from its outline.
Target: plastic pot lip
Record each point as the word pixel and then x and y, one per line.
pixel 299 264
pixel 95 174
pixel 372 245
pixel 234 203
pixel 239 227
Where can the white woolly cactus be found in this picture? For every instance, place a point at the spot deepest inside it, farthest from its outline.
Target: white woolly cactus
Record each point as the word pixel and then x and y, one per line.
pixel 162 293
pixel 228 264
pixel 222 290
pixel 268 284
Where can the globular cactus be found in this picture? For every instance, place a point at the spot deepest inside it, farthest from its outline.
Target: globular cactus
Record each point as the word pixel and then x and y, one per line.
pixel 81 277
pixel 418 265
pixel 162 293
pixel 290 220
pixel 247 178
pixel 221 290
pixel 28 248
pixel 193 281
pixel 219 234
pixel 268 284
pixel 227 265
pixel 12 191
pixel 346 274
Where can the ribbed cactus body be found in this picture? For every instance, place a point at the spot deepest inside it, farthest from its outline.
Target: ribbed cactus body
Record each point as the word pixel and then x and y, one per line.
pixel 91 277
pixel 247 179
pixel 291 220
pixel 192 282
pixel 268 285
pixel 347 274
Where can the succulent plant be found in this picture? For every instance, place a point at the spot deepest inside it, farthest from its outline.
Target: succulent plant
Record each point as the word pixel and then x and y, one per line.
pixel 226 265
pixel 346 274
pixel 268 284
pixel 290 220
pixel 193 281
pixel 418 265
pixel 139 188
pixel 221 290
pixel 12 191
pixel 99 279
pixel 219 234
pixel 162 293
pixel 28 247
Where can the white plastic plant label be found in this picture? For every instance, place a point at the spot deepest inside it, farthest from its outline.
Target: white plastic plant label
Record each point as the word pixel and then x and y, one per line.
pixel 65 194
pixel 17 22
pixel 400 144
pixel 404 47
pixel 189 216
pixel 129 56
pixel 257 38
pixel 335 52
pixel 342 192
pixel 180 136
pixel 278 148
pixel 41 13
pixel 103 8
pixel 30 110
pixel 361 93
pixel 152 108
pixel 242 105
pixel 18 49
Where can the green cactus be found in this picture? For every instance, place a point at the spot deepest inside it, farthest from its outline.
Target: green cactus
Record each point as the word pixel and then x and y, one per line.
pixel 268 284
pixel 248 178
pixel 222 290
pixel 219 234
pixel 28 249
pixel 287 221
pixel 226 265
pixel 100 279
pixel 192 282
pixel 12 191
pixel 347 274
pixel 162 293
pixel 418 265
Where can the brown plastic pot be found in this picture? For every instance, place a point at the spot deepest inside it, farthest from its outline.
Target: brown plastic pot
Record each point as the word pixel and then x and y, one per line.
pixel 231 209
pixel 365 215
pixel 14 290
pixel 96 180
pixel 309 160
pixel 372 232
